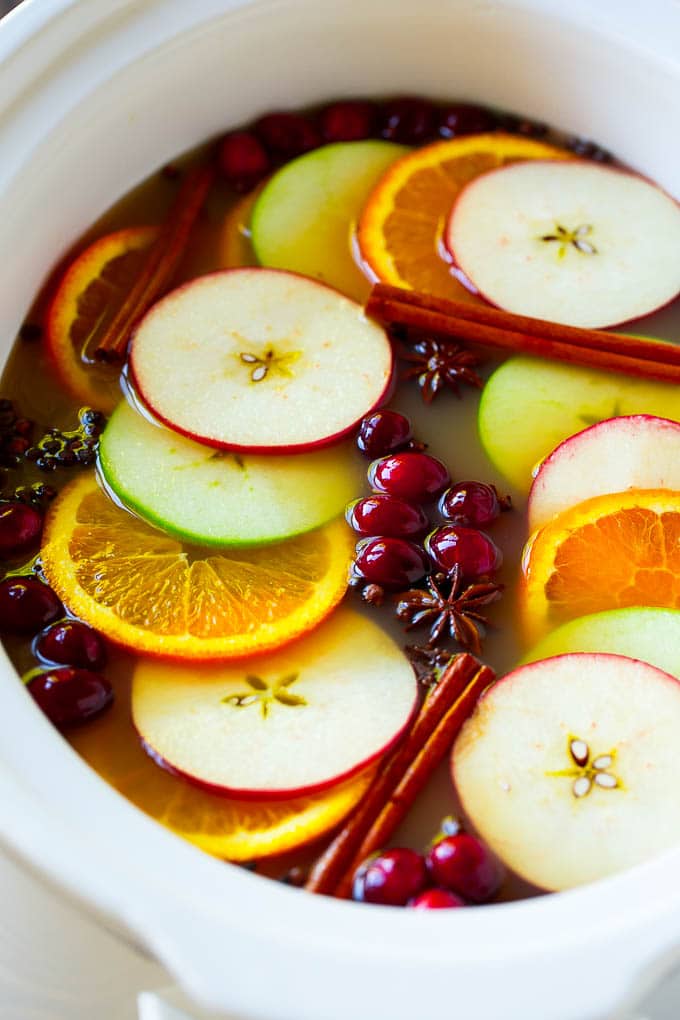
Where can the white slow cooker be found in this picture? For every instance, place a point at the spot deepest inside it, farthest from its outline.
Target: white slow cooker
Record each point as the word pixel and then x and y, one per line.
pixel 93 95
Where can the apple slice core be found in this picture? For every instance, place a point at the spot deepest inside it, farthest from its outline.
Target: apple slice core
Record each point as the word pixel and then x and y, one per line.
pixel 634 452
pixel 261 360
pixel 568 241
pixel 568 767
pixel 281 725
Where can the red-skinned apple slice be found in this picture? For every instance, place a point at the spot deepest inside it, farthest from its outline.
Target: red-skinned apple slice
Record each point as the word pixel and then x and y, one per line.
pixel 260 360
pixel 568 767
pixel 571 242
pixel 286 724
pixel 637 451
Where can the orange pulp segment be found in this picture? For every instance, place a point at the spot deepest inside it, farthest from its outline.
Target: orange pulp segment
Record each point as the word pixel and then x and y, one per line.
pixel 401 227
pixel 236 830
pixel 151 593
pixel 89 295
pixel 609 552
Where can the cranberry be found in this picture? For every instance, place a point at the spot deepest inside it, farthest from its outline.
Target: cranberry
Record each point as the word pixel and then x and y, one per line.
pixel 465 119
pixel 20 529
pixel 72 643
pixel 472 550
pixel 416 476
pixel 70 696
pixel 383 432
pixel 472 504
pixel 390 562
pixel 26 605
pixel 349 121
pixel 465 865
pixel 381 514
pixel 408 120
pixel 391 879
pixel 287 134
pixel 436 899
pixel 243 160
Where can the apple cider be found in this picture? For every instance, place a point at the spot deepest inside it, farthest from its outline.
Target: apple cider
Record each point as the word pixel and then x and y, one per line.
pixel 339 532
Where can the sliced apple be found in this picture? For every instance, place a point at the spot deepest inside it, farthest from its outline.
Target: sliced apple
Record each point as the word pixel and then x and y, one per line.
pixel 284 724
pixel 260 360
pixel 214 498
pixel 529 406
pixel 652 635
pixel 634 452
pixel 304 219
pixel 568 767
pixel 570 241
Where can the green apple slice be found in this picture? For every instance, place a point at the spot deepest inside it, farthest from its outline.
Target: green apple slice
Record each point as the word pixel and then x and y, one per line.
pixel 569 241
pixel 285 724
pixel 305 217
pixel 649 634
pixel 214 498
pixel 529 406
pixel 568 768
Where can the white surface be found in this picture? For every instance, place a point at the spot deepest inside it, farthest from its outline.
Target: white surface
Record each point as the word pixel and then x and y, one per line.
pixel 118 78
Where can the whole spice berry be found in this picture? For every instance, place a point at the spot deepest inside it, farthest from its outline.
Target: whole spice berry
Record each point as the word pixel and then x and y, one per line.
pixel 450 609
pixel 441 364
pixel 75 448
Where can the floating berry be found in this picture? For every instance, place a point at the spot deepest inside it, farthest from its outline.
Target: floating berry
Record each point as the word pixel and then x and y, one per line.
pixel 391 879
pixel 71 643
pixel 436 899
pixel 415 476
pixel 390 562
pixel 69 697
pixel 20 529
pixel 472 504
pixel 472 550
pixel 348 121
pixel 287 134
pixel 243 160
pixel 464 119
pixel 27 605
pixel 383 432
pixel 408 120
pixel 385 515
pixel 75 448
pixel 464 865
pixel 15 435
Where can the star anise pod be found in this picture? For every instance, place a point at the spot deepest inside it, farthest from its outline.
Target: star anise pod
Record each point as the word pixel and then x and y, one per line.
pixel 455 613
pixel 437 364
pixel 429 663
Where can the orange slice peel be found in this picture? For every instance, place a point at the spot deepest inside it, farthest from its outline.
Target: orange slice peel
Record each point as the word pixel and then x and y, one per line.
pixel 608 552
pixel 401 228
pixel 150 593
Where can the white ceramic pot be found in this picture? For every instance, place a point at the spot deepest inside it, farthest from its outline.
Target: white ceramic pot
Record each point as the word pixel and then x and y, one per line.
pixel 93 95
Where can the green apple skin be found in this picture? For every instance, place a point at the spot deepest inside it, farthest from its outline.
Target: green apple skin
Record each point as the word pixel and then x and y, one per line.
pixel 305 217
pixel 213 498
pixel 529 406
pixel 651 635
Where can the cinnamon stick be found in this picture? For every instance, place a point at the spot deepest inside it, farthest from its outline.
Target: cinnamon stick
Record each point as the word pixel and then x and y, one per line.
pixel 160 264
pixel 333 863
pixel 417 774
pixel 498 330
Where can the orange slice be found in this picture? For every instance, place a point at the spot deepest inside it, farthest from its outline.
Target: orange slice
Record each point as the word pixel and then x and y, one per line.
pixel 90 293
pixel 401 228
pixel 612 551
pixel 151 593
pixel 237 830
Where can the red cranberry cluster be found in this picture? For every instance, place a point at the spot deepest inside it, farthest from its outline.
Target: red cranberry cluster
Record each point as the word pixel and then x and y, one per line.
pixel 73 689
pixel 456 871
pixel 394 552
pixel 247 156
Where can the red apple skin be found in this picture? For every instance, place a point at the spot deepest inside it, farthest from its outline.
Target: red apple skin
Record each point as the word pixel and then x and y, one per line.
pixel 316 444
pixel 571 447
pixel 285 794
pixel 461 275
